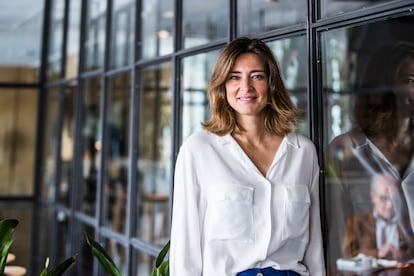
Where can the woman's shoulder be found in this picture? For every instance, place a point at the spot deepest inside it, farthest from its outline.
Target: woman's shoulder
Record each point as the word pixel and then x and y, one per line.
pixel 300 140
pixel 199 138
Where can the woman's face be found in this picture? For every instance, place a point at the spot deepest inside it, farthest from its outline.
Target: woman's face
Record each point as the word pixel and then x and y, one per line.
pixel 405 81
pixel 247 85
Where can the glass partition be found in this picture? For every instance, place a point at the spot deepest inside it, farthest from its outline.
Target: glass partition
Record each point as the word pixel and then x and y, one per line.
pixel 196 76
pixel 204 22
pixel 67 143
pixel 73 39
pixel 18 111
pixel 122 49
pixel 261 16
pixel 21 38
pixel 50 134
pixel 22 238
pixel 91 141
pixel 368 86
pixel 157 28
pixel 95 35
pixel 155 154
pixel 329 8
pixel 117 135
pixel 292 57
pixel 54 59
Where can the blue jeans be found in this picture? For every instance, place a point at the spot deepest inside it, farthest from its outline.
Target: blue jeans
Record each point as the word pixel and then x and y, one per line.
pixel 268 271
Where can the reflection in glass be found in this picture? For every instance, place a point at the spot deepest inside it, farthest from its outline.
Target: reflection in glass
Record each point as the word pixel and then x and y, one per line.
pixel 54 58
pixel 84 259
pixel 91 135
pixel 22 235
pixel 196 75
pixel 95 34
pixel 155 154
pixel 49 139
pixel 204 22
pixel 122 33
pixel 144 263
pixel 330 8
pixel 368 89
pixel 117 252
pixel 72 47
pixel 67 144
pixel 157 28
pixel 291 54
pixel 18 111
pixel 115 182
pixel 21 37
pixel 63 244
pixel 261 16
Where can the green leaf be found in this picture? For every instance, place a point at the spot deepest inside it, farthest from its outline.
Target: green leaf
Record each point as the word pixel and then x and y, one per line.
pixel 60 268
pixel 7 227
pixel 162 268
pixel 104 259
pixel 162 254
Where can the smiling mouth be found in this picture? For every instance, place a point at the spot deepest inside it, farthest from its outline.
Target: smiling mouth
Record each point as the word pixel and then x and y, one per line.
pixel 247 98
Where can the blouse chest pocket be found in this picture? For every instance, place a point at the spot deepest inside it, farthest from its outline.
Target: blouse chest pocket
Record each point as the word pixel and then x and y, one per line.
pixel 296 211
pixel 230 213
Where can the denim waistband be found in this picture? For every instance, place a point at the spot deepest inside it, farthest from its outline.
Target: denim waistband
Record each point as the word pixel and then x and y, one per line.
pixel 268 271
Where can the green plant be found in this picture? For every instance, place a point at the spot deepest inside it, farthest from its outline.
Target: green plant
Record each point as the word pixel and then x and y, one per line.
pixel 7 227
pixel 162 268
pixel 104 259
pixel 59 269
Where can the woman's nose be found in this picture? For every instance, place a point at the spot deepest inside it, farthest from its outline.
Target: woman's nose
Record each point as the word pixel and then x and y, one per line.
pixel 245 84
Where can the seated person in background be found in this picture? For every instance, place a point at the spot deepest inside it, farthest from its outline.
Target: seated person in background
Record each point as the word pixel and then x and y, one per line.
pixel 381 233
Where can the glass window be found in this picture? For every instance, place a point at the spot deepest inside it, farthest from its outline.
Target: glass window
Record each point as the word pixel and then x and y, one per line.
pixel 196 76
pixel 155 154
pixel 54 58
pixel 50 136
pixel 84 257
pixel 204 21
pixel 260 16
pixel 157 28
pixel 144 263
pixel 67 143
pixel 117 252
pixel 115 182
pixel 21 37
pixel 292 57
pixel 91 136
pixel 368 88
pixel 95 35
pixel 18 113
pixel 22 238
pixel 330 8
pixel 72 47
pixel 122 49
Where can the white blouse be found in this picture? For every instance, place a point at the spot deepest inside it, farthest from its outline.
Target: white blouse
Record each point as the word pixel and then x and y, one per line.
pixel 228 217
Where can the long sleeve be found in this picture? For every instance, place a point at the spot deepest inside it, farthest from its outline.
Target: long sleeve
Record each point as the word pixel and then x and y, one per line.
pixel 314 258
pixel 185 251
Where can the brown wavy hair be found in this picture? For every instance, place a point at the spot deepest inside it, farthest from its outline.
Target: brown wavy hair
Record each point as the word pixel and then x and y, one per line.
pixel 377 108
pixel 280 113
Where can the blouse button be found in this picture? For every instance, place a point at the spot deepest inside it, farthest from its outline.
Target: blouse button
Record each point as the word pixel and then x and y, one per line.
pixel 259 274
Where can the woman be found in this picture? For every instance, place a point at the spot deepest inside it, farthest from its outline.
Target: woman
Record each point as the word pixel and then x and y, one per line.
pixel 246 197
pixel 378 146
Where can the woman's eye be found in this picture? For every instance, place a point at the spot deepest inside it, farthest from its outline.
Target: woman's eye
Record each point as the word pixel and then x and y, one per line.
pixel 234 77
pixel 258 77
pixel 408 81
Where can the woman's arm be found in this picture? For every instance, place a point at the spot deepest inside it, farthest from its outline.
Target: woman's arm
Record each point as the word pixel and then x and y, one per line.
pixel 314 258
pixel 185 251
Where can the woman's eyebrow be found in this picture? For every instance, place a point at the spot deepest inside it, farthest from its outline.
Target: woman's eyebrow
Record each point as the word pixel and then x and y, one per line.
pixel 252 71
